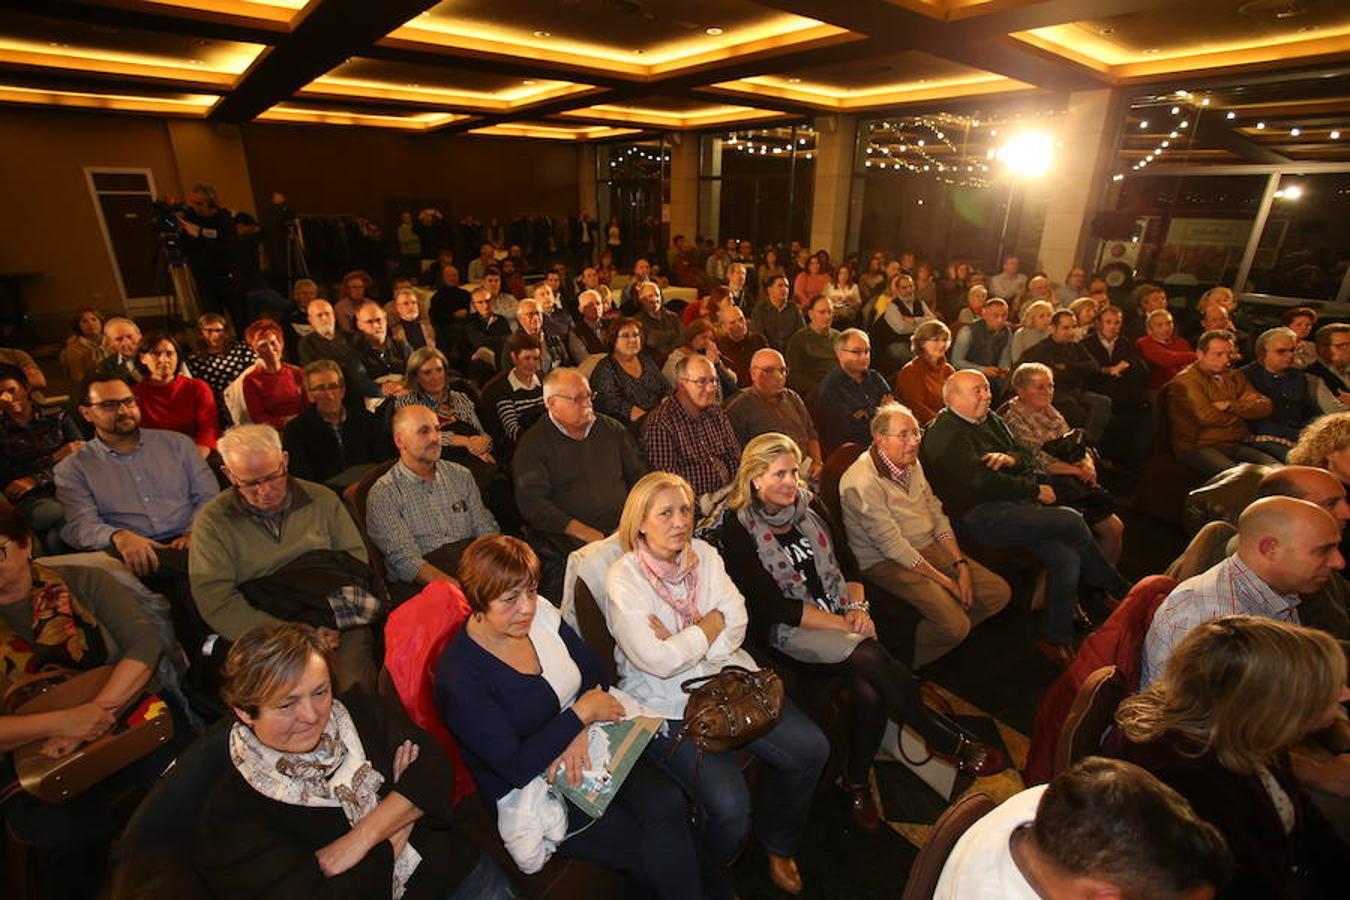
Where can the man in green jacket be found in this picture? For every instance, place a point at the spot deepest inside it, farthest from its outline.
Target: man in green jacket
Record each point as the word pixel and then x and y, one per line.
pixel 988 485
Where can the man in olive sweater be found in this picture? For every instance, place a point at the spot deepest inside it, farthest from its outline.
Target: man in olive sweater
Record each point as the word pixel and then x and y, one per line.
pixel 988 484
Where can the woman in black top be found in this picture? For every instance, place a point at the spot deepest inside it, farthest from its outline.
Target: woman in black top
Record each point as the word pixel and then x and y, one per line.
pixel 806 601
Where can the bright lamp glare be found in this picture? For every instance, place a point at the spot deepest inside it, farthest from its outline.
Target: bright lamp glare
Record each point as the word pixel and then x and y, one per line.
pixel 1293 192
pixel 1027 155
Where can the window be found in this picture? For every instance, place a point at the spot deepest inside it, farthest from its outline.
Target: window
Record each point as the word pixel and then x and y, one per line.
pixel 757 185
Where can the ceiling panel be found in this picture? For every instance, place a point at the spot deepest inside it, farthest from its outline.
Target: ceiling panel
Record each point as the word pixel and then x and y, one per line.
pixel 437 85
pixel 672 113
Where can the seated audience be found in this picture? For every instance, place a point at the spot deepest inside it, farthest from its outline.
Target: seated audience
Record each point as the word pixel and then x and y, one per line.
pixel 807 601
pixel 774 317
pixel 1145 300
pixel 84 349
pixel 1325 444
pixel 463 438
pixel 810 283
pixel 988 485
pixel 130 491
pixel 221 359
pixel 893 329
pixel 1331 369
pixel 530 321
pixel 1218 317
pixel 1122 374
pixel 1033 419
pixel 1165 352
pixel 557 320
pixel 519 690
pixel 1085 312
pixel 514 399
pixel 1072 366
pixel 974 304
pixel 323 342
pixel 919 382
pixel 1208 407
pixel 34 437
pixel 905 544
pixel 700 339
pixel 1034 329
pixel 1285 547
pixel 736 343
pixel 1292 399
pixel 122 337
pixel 661 328
pixel 331 440
pixel 383 357
pixel 628 383
pixel 689 434
pixel 844 296
pixel 768 404
pixel 273 390
pixel 1008 283
pixel 1075 287
pixel 424 511
pixel 356 289
pixel 1101 828
pixel 741 289
pixel 810 352
pixel 848 397
pixel 289 545
pixel 449 306
pixel 325 795
pixel 1217 725
pixel 407 325
pixel 986 346
pixel 484 333
pixel 675 615
pixel 77 618
pixel 587 337
pixel 705 306
pixel 173 401
pixel 564 503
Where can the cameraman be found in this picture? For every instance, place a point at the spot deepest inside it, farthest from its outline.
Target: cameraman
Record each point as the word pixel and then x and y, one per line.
pixel 208 238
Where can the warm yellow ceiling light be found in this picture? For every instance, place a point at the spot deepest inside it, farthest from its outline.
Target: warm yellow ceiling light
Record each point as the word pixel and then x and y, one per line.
pixel 504 100
pixel 887 94
pixel 550 132
pixel 284 112
pixel 168 104
pixel 696 118
pixel 271 10
pixel 216 63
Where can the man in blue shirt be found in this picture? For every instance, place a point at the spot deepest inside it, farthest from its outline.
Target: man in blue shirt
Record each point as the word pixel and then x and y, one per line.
pixel 129 491
pixel 848 397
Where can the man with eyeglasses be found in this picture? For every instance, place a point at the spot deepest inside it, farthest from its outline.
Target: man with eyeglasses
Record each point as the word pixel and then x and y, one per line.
pixel 689 433
pixel 573 469
pixel 324 342
pixel 274 547
pixel 848 397
pixel 1294 404
pixel 383 356
pixel 1331 370
pixel 332 440
pixel 131 491
pixel 906 546
pixel 768 404
pixel 530 321
pixel 736 342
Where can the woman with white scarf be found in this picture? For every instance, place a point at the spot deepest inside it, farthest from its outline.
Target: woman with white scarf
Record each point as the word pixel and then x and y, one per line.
pixel 327 797
pixel 675 616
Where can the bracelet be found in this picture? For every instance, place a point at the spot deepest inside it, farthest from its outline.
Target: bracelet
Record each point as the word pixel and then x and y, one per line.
pixel 861 606
pixel 962 561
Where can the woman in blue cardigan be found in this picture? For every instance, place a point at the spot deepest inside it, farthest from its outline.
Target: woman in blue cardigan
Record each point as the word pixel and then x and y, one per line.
pixel 518 689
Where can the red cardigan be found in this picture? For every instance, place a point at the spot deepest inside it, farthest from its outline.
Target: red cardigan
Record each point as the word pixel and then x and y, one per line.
pixel 272 398
pixel 1164 360
pixel 185 405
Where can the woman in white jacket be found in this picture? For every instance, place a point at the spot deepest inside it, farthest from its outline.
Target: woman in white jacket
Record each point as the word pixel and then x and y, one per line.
pixel 675 615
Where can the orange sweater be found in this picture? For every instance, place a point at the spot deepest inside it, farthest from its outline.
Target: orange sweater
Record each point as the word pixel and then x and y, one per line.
pixel 919 386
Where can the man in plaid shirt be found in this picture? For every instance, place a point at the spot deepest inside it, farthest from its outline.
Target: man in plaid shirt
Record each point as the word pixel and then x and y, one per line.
pixel 689 434
pixel 1286 547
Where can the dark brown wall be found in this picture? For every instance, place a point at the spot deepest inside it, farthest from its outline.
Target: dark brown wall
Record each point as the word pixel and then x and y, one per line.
pixel 350 170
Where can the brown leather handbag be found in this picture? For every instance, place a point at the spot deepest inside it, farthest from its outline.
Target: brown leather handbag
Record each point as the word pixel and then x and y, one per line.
pixel 732 708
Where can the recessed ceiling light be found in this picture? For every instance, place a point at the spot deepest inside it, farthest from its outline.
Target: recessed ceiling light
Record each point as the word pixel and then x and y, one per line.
pixel 1260 125
pixel 1204 102
pixel 413 84
pixel 528 81
pixel 1151 51
pixel 542 34
pixel 1295 132
pixel 1143 124
pixel 794 81
pixel 712 30
pixel 1107 30
pixel 1176 110
pixel 1231 116
pixel 1335 135
pixel 639 52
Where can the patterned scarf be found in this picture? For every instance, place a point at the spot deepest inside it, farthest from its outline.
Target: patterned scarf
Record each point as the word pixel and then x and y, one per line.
pixel 65 633
pixel 760 523
pixel 335 773
pixel 661 575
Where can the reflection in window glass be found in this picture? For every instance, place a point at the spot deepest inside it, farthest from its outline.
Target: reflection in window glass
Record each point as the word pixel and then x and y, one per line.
pixel 757 185
pixel 631 180
pixel 1305 245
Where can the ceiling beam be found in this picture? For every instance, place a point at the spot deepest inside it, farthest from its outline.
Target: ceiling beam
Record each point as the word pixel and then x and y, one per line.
pixel 331 32
pixel 195 23
pixel 1212 132
pixel 88 81
pixel 397 51
pixel 1027 17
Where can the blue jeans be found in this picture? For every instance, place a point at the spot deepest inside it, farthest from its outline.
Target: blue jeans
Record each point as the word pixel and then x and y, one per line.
pixel 1061 540
pixel 794 751
pixel 485 882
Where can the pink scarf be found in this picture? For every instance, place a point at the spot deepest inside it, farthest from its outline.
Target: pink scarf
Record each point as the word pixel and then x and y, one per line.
pixel 661 574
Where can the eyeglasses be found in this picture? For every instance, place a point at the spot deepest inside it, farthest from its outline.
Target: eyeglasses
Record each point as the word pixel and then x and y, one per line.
pixel 702 382
pixel 772 370
pixel 325 388
pixel 114 405
pixel 629 335
pixel 584 397
pixel 4 550
pixel 908 435
pixel 263 481
pixel 865 351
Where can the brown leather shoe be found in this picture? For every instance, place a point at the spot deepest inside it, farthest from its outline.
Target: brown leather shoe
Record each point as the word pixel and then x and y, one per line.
pixel 860 806
pixel 783 873
pixel 1060 655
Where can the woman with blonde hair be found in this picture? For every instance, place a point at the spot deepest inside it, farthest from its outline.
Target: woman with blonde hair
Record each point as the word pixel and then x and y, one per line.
pixel 675 615
pixel 808 602
pixel 1238 692
pixel 1035 318
pixel 1325 443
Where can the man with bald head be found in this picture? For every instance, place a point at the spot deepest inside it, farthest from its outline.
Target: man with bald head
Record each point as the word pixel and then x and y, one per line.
pixel 768 404
pixel 689 433
pixel 123 338
pixel 1285 547
pixel 425 510
pixel 384 356
pixel 323 342
pixel 736 342
pixel 989 485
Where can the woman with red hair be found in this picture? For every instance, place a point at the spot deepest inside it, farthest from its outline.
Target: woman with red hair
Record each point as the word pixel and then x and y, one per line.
pixel 274 391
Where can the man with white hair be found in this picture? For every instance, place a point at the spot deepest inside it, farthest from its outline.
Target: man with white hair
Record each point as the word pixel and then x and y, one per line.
pixel 530 321
pixel 247 548
pixel 587 336
pixel 424 511
pixel 905 544
pixel 689 433
pixel 324 342
pixel 123 337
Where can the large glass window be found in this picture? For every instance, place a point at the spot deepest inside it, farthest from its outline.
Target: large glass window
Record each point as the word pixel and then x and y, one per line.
pixel 757 185
pixel 1305 246
pixel 632 182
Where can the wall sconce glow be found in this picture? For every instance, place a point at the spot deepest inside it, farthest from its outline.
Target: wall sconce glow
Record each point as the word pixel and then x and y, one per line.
pixel 1027 155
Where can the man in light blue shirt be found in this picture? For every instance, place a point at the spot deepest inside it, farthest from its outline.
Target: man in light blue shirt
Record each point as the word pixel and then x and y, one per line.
pixel 130 491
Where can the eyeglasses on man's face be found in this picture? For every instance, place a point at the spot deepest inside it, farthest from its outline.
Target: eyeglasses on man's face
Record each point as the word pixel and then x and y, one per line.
pixel 256 483
pixel 110 406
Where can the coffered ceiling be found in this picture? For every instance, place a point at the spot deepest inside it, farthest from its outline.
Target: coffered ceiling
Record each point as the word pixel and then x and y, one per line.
pixel 595 69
